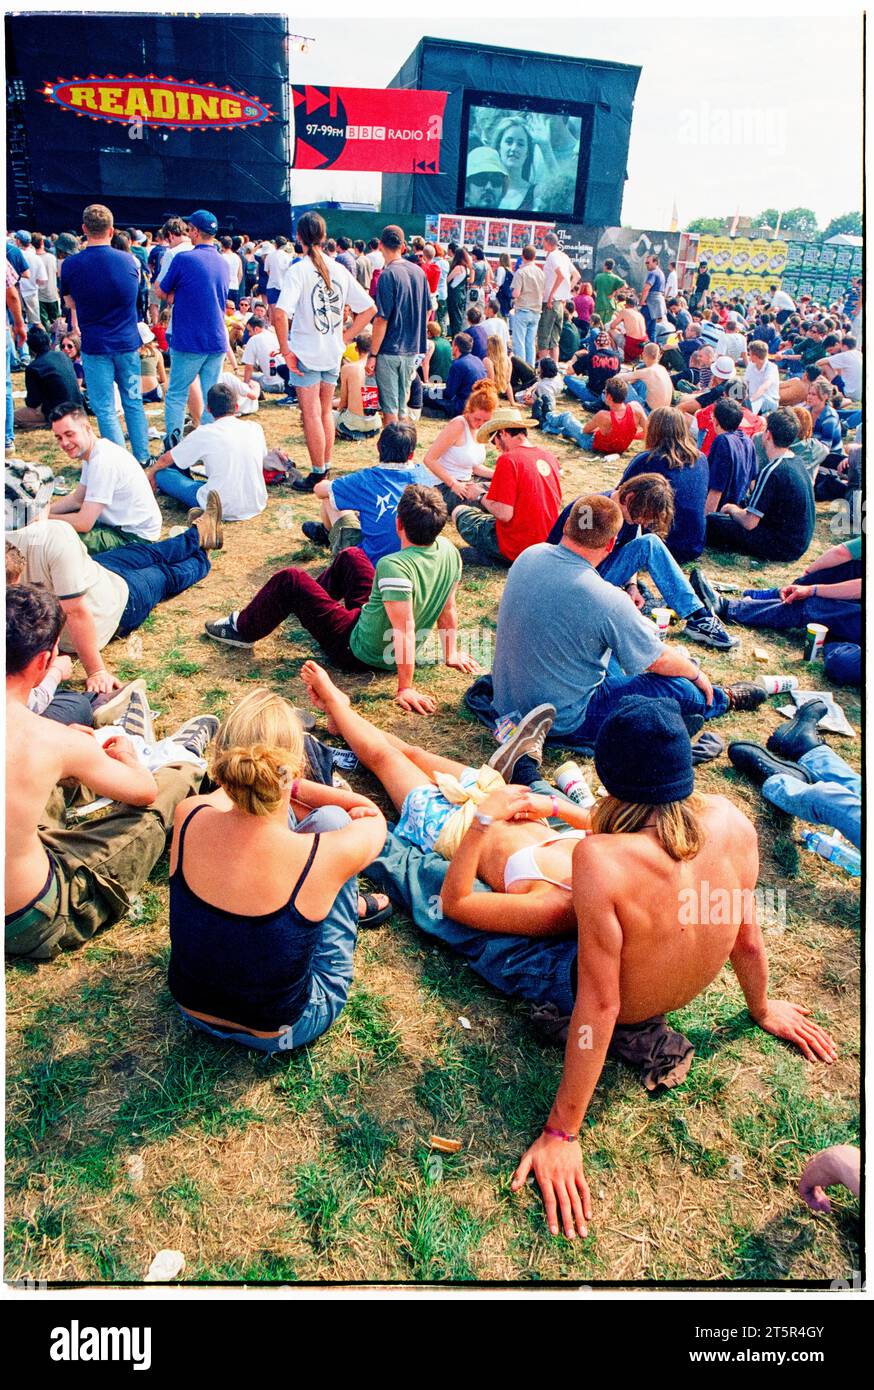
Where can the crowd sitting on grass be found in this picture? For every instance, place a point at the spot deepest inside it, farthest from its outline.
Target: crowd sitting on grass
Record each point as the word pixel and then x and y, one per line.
pixel 732 462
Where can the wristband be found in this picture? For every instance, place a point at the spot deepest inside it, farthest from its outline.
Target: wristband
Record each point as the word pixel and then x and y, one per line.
pixel 815 591
pixel 555 812
pixel 482 819
pixel 560 1134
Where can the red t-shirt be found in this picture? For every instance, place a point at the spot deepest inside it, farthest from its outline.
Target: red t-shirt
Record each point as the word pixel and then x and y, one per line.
pixel 432 275
pixel 618 435
pixel 526 479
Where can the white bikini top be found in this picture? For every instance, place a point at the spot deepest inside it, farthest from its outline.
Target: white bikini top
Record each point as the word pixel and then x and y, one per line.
pixel 459 459
pixel 523 865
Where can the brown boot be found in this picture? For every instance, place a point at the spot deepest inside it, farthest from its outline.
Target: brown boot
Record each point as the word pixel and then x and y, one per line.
pixel 209 525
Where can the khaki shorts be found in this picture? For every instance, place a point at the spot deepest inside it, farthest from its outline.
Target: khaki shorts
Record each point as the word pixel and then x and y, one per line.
pixel 549 327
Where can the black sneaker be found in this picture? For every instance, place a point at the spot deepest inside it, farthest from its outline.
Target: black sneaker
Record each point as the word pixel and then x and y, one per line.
pixel 798 736
pixel 745 695
pixel 526 740
pixel 706 592
pixel 225 630
pixel 197 734
pixel 756 763
pixel 316 532
pixel 308 483
pixel 709 630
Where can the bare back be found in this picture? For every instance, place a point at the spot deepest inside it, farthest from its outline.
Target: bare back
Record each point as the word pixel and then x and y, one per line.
pixel 35 762
pixel 679 918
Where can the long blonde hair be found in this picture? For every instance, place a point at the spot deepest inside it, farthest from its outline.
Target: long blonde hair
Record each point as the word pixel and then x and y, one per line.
pixel 677 825
pixel 500 361
pixel 311 232
pixel 258 751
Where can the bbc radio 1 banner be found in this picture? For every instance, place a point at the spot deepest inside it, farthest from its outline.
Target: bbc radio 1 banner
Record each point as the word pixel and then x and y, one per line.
pixel 368 131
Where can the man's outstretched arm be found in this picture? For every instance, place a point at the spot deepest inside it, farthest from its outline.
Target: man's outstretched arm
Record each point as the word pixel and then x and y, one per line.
pixel 555 1160
pixel 781 1017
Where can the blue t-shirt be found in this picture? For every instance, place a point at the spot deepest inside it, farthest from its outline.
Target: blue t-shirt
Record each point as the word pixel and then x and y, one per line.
pixel 690 485
pixel 199 281
pixel 16 258
pixel 828 428
pixel 404 301
pixel 464 373
pixel 732 464
pixel 558 624
pixel 374 494
pixel 104 284
pixel 480 337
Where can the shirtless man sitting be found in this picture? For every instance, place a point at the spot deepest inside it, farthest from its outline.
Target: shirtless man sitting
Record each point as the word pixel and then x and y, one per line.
pixel 63 885
pixel 646 947
pixel 356 394
pixel 650 384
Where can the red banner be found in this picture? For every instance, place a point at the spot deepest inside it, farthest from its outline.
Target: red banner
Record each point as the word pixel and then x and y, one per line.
pixel 157 101
pixel 375 131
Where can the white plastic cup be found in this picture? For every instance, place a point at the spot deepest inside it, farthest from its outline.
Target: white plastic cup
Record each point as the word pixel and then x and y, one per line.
pixel 662 619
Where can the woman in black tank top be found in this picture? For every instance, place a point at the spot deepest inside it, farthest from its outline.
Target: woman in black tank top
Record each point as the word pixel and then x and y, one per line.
pixel 263 918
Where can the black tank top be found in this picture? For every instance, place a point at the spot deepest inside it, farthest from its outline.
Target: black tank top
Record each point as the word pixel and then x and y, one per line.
pixel 254 971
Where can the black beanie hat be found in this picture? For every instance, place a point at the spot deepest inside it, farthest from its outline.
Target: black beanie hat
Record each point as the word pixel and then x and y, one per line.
pixel 643 753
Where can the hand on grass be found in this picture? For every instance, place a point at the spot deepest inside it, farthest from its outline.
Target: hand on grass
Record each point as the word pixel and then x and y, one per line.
pixel 558 1168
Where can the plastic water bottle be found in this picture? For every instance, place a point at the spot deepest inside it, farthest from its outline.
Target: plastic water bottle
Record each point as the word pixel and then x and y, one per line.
pixel 835 851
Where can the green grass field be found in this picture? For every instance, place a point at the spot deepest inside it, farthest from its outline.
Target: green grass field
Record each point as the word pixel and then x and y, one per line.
pixel 125 1135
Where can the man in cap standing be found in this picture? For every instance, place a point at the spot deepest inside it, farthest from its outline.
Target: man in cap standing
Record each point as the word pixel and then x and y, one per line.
pixel 197 283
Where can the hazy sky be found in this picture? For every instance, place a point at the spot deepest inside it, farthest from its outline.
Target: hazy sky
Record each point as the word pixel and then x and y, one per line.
pixel 735 113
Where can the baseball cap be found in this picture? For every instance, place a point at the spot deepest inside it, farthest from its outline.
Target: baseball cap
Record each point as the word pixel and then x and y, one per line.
pixel 204 221
pixel 138 236
pixel 146 334
pixel 28 489
pixel 723 369
pixel 23 237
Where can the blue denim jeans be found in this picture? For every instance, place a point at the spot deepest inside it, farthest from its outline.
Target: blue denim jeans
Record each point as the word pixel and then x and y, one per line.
pixel 525 323
pixel 184 367
pixel 575 386
pixel 154 572
pixel 651 554
pixel 833 798
pixel 332 961
pixel 176 483
pixel 10 409
pixel 103 371
pixel 615 685
pixel 568 425
pixel 764 608
pixel 637 392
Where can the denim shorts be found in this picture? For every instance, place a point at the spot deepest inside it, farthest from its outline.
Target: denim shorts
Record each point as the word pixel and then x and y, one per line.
pixel 309 377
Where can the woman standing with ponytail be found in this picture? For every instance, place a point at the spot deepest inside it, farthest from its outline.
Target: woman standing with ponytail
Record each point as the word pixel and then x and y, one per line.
pixel 314 294
pixel 263 918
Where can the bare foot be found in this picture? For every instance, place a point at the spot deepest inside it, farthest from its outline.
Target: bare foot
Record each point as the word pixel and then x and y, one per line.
pixel 323 692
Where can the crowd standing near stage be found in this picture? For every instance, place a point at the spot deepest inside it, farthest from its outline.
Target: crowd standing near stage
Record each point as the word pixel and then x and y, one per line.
pixel 748 411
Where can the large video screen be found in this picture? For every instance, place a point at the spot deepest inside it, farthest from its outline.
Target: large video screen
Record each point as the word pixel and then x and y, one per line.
pixel 523 157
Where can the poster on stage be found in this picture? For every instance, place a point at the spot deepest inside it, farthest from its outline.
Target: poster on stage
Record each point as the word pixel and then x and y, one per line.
pixel 520 235
pixel 450 228
pixel 367 130
pixel 432 226
pixel 475 231
pixel 498 235
pixel 540 230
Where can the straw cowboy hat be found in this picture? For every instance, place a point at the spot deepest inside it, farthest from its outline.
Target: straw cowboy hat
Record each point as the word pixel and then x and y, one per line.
pixel 507 418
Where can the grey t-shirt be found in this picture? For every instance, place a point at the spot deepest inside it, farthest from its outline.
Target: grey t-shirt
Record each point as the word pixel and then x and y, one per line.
pixel 558 624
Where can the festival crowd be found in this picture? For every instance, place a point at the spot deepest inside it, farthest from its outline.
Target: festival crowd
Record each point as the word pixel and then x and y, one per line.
pixel 748 411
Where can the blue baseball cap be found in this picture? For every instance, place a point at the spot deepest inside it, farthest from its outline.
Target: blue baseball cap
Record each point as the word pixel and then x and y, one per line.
pixel 23 237
pixel 204 221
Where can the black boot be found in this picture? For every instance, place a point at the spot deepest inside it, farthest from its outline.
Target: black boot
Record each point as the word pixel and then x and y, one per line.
pixel 758 764
pixel 798 736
